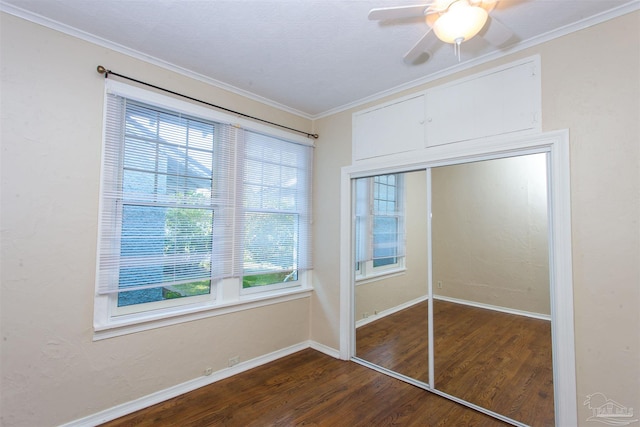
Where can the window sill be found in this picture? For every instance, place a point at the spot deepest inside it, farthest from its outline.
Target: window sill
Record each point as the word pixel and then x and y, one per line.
pixel 374 277
pixel 147 321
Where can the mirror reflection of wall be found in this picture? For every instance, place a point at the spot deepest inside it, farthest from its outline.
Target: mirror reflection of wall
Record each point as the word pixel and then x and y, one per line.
pixel 492 334
pixel 390 229
pixel 490 228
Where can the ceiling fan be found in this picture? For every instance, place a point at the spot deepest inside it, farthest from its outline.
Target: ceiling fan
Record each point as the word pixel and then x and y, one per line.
pixel 451 21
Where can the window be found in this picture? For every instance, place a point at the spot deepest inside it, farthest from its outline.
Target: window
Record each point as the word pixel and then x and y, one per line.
pixel 379 228
pixel 275 205
pixel 196 212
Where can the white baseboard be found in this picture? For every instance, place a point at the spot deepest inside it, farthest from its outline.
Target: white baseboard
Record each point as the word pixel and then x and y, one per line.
pixel 387 312
pixel 329 351
pixel 171 392
pixel 495 308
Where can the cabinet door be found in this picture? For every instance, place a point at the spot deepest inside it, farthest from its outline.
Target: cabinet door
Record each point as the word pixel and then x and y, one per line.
pixel 499 102
pixel 390 128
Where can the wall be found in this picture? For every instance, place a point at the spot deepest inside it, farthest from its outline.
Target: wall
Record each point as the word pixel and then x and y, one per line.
pixel 52 371
pixel 389 292
pixel 590 85
pixel 489 225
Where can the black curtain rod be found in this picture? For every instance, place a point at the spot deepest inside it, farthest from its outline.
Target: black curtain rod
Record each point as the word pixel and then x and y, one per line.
pixel 107 72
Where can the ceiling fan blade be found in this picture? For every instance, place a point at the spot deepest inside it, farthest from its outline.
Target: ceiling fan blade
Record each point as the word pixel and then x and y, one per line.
pixel 424 46
pixel 497 33
pixel 399 12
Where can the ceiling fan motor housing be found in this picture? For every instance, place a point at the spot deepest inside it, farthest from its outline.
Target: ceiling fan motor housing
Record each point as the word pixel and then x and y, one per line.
pixel 460 21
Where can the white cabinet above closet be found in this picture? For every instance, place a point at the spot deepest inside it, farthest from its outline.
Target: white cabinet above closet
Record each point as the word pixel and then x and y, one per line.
pixel 497 102
pixel 394 127
pixel 500 101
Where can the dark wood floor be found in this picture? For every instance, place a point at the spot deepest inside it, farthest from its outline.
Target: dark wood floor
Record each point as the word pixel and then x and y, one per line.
pixel 307 388
pixel 496 360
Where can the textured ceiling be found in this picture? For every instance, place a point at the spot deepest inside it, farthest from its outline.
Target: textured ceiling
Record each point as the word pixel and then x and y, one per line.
pixel 310 56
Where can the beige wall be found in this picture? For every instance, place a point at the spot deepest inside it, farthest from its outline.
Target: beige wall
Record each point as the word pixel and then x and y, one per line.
pixel 590 85
pixel 52 371
pixel 389 292
pixel 489 235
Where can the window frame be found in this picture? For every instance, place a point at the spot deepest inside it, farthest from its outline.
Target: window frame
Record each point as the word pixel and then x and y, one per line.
pixel 131 309
pixel 225 296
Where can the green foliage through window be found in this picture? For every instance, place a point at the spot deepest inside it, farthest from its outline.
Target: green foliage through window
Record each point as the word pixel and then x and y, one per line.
pixel 268 279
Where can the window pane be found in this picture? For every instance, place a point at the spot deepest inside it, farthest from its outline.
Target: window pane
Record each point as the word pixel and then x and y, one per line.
pixel 141 122
pixel 172 129
pixel 288 199
pixel 252 196
pixel 253 172
pixel 271 174
pixel 143 229
pixel 385 236
pixel 270 198
pixel 171 160
pixel 290 158
pixel 140 155
pixel 288 177
pixel 270 243
pixel 200 163
pixel 200 135
pixel 166 247
pixel 159 294
pixel 188 232
pixel 138 183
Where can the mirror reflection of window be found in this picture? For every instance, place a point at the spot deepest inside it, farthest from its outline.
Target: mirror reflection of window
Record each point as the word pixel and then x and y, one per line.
pixel 395 293
pixel 386 220
pixel 379 225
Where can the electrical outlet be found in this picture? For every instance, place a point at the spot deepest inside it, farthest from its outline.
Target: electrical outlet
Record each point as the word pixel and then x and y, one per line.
pixel 208 370
pixel 439 284
pixel 365 315
pixel 375 312
pixel 233 361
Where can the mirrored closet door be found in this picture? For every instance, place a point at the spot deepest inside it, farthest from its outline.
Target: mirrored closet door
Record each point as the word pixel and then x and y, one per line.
pixel 492 319
pixel 390 274
pixel 488 270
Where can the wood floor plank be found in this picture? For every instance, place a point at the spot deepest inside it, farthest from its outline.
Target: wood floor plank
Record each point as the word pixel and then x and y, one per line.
pixel 307 388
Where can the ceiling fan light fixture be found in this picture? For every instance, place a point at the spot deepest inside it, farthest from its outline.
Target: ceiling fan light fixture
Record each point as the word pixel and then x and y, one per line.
pixel 460 22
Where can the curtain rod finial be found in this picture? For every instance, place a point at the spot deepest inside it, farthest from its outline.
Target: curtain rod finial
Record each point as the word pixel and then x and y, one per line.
pixel 102 70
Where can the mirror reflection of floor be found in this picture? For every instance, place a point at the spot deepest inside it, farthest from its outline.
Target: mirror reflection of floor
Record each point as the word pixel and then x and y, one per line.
pixel 495 360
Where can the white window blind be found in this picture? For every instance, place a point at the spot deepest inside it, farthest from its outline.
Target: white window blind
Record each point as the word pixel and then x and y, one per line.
pixel 164 200
pixel 275 207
